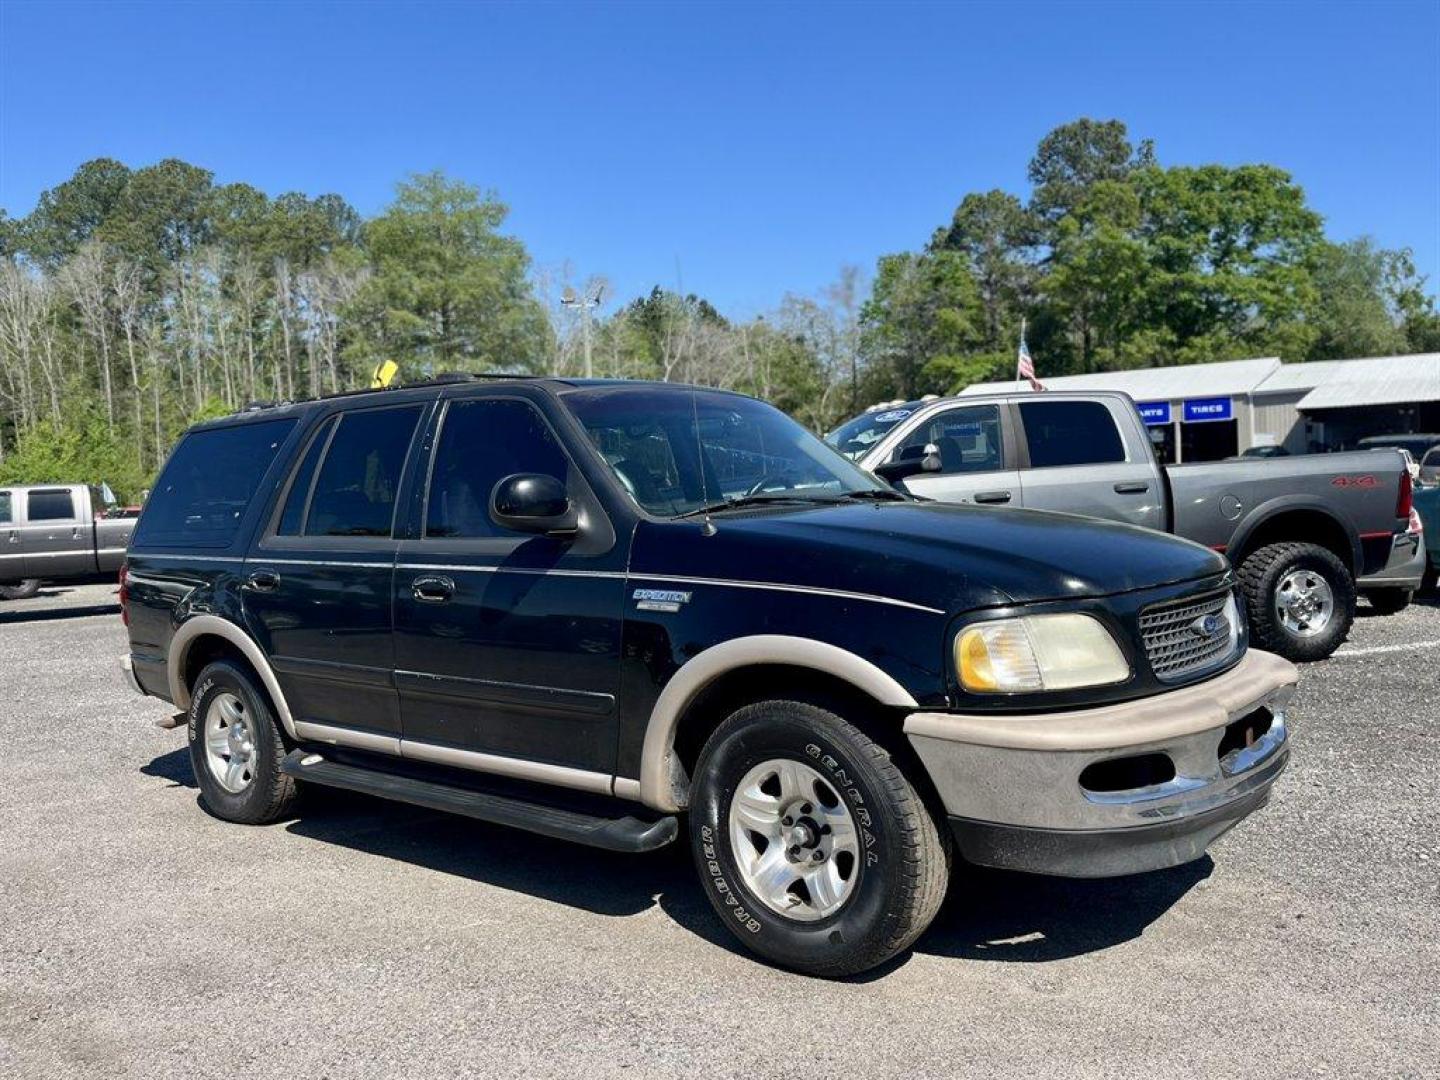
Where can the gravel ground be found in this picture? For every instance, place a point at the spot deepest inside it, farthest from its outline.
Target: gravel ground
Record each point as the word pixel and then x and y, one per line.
pixel 141 937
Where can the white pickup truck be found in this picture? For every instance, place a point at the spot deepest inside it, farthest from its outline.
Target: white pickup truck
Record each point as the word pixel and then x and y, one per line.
pixel 55 532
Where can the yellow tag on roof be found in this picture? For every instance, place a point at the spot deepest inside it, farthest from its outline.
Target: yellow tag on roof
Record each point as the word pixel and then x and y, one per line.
pixel 384 374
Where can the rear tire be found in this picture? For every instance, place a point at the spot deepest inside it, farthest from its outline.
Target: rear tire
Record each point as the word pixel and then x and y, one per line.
pixel 1389 601
pixel 236 748
pixel 1431 582
pixel 885 880
pixel 1279 582
pixel 22 591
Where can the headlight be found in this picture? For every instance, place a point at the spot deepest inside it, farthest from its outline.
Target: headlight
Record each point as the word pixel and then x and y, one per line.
pixel 1038 652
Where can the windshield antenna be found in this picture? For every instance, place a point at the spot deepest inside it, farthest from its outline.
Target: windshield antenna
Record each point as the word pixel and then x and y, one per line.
pixel 707 528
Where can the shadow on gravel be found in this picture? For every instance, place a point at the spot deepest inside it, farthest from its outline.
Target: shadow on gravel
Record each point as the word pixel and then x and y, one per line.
pixel 989 915
pixel 175 767
pixel 604 882
pixel 1025 918
pixel 49 614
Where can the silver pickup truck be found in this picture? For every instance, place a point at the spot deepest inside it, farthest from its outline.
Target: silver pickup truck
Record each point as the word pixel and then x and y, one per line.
pixel 1305 533
pixel 57 531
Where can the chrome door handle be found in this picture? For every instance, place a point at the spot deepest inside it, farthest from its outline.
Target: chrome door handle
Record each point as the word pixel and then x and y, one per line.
pixel 432 589
pixel 1133 488
pixel 263 581
pixel 992 496
pixel 14 536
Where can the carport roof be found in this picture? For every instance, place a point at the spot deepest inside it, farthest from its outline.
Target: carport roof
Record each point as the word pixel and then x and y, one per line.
pixel 1379 380
pixel 1223 379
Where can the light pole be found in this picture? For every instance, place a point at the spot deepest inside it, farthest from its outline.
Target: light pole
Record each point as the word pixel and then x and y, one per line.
pixel 591 300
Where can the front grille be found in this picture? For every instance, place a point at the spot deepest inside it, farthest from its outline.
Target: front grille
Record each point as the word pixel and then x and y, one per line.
pixel 1174 636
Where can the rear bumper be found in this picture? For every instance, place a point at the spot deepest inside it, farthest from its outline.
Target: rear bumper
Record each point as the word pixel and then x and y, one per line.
pixel 127 666
pixel 1013 789
pixel 1403 570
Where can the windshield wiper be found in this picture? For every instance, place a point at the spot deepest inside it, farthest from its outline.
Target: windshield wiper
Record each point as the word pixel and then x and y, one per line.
pixel 887 494
pixel 740 501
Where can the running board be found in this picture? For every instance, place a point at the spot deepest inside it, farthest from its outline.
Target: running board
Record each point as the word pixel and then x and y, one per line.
pixel 613 834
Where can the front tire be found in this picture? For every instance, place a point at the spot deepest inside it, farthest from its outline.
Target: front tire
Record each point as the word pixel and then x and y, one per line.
pixel 813 847
pixel 21 591
pixel 1389 601
pixel 1300 600
pixel 236 748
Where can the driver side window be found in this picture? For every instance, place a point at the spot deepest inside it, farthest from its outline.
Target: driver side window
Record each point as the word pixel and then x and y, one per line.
pixel 966 440
pixel 482 441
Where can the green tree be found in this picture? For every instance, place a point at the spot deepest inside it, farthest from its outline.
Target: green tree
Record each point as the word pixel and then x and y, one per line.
pixel 1098 275
pixel 923 318
pixel 1074 157
pixel 996 234
pixel 70 214
pixel 1354 312
pixel 448 289
pixel 1229 252
pixel 161 216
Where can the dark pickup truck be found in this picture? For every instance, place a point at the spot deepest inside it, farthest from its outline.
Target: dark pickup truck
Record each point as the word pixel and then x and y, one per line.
pixel 1305 533
pixel 583 608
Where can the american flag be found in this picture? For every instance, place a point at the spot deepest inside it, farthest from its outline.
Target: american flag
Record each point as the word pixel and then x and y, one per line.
pixel 1025 367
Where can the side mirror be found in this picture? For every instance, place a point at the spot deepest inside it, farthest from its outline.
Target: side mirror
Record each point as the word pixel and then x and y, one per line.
pixel 533 502
pixel 899 468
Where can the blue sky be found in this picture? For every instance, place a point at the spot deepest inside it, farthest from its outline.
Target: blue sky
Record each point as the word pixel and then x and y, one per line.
pixel 743 151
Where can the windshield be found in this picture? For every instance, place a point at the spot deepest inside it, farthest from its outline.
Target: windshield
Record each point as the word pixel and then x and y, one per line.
pixel 676 451
pixel 854 437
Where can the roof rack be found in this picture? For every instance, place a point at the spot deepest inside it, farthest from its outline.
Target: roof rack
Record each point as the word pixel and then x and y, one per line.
pixel 441 378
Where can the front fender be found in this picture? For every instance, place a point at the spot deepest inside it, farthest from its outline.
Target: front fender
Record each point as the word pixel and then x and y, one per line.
pixel 659 783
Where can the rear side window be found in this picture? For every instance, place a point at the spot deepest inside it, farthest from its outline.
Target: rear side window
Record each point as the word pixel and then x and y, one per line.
pixel 6 514
pixel 55 504
pixel 1070 433
pixel 207 484
pixel 358 480
pixel 292 518
pixel 481 443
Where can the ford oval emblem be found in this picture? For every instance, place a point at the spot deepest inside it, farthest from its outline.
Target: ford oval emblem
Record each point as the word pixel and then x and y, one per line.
pixel 1207 626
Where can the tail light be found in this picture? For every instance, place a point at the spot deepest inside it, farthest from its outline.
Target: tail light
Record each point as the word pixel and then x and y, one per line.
pixel 125 593
pixel 1405 503
pixel 1416 525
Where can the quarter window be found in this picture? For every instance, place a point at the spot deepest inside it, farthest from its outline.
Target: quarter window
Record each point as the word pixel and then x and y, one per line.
pixel 208 482
pixel 1070 433
pixel 968 440
pixel 56 505
pixel 482 442
pixel 355 491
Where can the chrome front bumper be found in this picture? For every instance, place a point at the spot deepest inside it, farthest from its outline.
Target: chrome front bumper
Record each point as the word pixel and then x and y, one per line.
pixel 1013 790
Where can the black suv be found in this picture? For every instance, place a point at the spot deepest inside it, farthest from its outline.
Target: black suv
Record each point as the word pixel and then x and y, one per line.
pixel 583 607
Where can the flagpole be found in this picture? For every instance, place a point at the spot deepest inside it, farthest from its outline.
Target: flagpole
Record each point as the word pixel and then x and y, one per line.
pixel 1017 354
